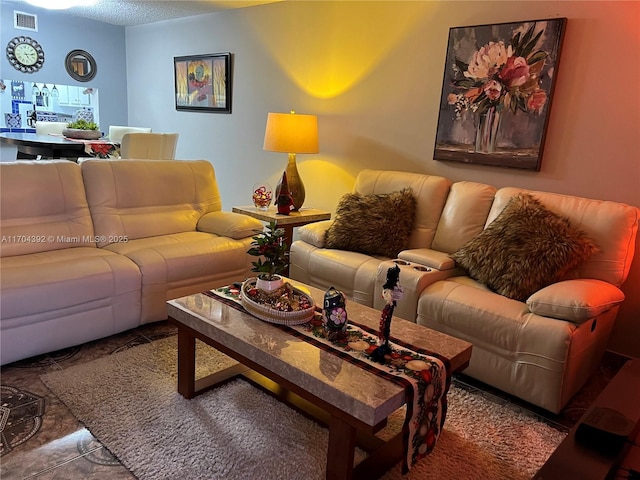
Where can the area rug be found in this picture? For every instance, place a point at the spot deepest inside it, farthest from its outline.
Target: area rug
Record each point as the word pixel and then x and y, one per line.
pixel 128 401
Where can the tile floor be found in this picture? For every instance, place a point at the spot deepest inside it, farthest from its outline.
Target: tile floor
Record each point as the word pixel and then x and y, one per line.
pixel 41 439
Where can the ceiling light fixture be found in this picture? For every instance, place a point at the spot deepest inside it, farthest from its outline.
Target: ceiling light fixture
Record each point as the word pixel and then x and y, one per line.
pixel 60 4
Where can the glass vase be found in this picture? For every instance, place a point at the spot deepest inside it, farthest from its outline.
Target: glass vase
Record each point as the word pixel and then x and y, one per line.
pixel 262 195
pixel 487 131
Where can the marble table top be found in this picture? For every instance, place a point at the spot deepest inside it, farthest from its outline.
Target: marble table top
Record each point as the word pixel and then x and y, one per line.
pixel 363 394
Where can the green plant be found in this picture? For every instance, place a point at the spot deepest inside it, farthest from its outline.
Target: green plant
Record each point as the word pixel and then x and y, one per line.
pixel 83 125
pixel 273 251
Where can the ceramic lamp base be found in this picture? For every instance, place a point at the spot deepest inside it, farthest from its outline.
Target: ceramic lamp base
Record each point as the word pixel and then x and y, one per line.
pixel 296 187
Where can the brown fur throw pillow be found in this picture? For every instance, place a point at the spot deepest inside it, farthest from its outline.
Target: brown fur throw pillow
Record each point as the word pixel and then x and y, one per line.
pixel 526 248
pixel 375 224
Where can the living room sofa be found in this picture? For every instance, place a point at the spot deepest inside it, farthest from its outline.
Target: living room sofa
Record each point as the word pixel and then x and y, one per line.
pixel 542 347
pixel 96 248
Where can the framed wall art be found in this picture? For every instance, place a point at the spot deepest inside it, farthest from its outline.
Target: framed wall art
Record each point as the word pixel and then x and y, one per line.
pixel 497 90
pixel 203 82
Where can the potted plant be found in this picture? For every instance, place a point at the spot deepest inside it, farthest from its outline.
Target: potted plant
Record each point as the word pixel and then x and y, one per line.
pixel 82 129
pixel 273 253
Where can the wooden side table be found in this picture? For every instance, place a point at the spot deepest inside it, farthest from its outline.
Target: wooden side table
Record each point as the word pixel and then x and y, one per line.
pixel 287 222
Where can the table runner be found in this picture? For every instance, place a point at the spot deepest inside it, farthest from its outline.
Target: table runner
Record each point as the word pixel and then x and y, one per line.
pixel 425 376
pixel 96 148
pixel 102 149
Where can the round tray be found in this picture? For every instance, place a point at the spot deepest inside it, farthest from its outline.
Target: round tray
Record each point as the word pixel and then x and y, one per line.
pixel 268 314
pixel 81 134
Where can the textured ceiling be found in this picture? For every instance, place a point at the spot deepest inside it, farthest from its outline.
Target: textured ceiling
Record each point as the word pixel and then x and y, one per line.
pixel 135 12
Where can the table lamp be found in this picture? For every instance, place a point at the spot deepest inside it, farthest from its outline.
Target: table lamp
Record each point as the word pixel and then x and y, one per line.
pixel 292 133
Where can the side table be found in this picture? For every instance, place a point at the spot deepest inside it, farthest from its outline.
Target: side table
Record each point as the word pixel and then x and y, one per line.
pixel 286 222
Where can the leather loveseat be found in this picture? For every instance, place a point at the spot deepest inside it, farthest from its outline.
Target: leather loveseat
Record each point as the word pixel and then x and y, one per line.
pixel 92 249
pixel 542 347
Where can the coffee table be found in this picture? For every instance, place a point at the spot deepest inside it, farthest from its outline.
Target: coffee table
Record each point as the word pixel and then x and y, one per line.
pixel 352 402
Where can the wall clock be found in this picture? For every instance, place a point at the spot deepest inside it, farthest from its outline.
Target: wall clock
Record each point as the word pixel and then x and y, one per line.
pixel 25 54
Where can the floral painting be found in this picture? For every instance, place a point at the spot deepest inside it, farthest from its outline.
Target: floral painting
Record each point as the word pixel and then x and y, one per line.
pixel 202 82
pixel 497 91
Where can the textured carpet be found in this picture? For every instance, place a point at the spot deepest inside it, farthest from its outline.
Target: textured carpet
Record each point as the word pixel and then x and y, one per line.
pixel 129 403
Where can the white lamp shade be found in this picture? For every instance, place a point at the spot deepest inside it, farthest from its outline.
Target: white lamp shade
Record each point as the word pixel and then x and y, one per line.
pixel 291 133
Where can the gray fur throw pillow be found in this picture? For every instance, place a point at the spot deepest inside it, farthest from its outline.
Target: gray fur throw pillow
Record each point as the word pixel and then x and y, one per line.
pixel 375 224
pixel 526 248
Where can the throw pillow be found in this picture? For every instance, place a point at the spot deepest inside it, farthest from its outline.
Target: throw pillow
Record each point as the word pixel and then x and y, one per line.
pixel 375 224
pixel 526 248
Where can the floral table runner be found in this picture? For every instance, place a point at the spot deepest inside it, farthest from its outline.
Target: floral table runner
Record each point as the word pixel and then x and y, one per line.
pixel 424 375
pixel 96 148
pixel 102 149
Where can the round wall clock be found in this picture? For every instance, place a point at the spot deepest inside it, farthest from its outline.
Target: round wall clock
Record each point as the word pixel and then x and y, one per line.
pixel 25 54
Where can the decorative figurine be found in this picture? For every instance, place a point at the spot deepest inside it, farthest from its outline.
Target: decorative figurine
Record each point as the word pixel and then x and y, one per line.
pixel 334 314
pixel 391 291
pixel 284 200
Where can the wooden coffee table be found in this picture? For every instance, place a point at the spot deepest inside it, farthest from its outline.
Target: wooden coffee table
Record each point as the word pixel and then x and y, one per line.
pixel 352 402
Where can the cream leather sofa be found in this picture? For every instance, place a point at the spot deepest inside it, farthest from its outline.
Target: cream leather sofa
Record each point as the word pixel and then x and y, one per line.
pixel 541 350
pixel 96 248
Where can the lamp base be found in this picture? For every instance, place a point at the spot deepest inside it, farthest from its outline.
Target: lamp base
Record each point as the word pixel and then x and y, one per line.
pixel 296 187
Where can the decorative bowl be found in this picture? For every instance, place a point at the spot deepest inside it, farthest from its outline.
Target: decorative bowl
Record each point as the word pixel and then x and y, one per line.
pixel 81 134
pixel 270 314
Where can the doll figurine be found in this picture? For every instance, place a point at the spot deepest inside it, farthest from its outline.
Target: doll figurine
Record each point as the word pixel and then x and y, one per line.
pixel 391 291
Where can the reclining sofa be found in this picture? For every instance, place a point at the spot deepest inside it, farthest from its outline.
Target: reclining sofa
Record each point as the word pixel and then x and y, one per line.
pixel 92 249
pixel 541 348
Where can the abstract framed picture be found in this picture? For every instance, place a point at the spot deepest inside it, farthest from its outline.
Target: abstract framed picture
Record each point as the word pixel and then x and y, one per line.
pixel 203 82
pixel 496 94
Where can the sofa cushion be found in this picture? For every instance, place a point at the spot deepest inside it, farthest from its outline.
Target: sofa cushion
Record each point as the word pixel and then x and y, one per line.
pixel 526 248
pixel 136 199
pixel 44 285
pixel 43 207
pixel 181 264
pixel 430 191
pixel 375 224
pixel 575 300
pixel 611 225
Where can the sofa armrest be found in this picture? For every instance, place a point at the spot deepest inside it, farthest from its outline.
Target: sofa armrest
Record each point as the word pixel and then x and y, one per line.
pixel 429 258
pixel 314 233
pixel 575 300
pixel 229 224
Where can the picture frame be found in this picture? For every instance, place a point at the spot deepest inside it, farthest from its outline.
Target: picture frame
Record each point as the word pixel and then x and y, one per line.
pixel 203 82
pixel 497 91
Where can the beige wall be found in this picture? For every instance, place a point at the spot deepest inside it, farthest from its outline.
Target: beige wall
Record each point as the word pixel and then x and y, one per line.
pixel 373 73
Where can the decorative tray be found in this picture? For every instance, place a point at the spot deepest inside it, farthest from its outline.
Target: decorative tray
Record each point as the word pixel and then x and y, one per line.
pixel 276 307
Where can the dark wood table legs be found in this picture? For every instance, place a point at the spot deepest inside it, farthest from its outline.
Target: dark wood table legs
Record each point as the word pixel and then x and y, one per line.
pixel 345 432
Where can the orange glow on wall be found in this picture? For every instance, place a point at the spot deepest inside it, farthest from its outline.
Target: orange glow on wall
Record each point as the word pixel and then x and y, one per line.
pixel 327 62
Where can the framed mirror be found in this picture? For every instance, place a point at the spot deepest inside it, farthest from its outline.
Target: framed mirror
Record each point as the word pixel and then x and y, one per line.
pixel 80 65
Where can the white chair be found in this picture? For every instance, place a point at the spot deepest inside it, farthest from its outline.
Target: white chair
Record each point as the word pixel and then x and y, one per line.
pixel 158 146
pixel 117 131
pixel 45 128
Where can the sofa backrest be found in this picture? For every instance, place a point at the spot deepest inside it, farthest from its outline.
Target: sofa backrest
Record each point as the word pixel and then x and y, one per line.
pixel 464 215
pixel 145 198
pixel 612 226
pixel 430 192
pixel 42 207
